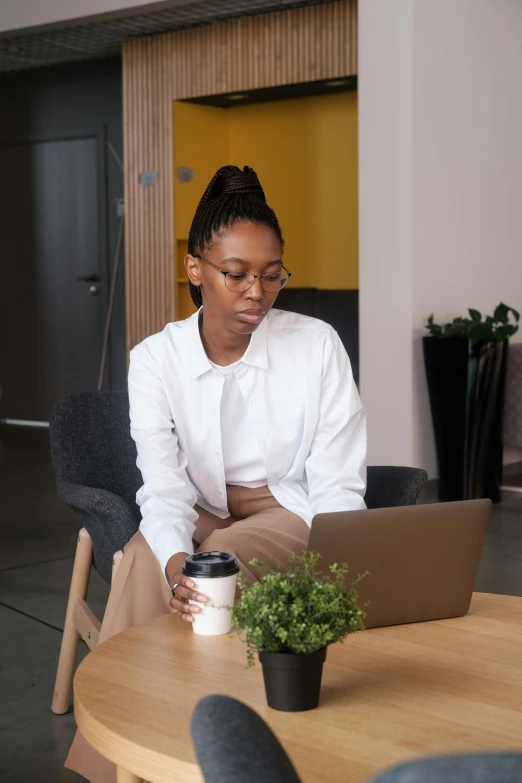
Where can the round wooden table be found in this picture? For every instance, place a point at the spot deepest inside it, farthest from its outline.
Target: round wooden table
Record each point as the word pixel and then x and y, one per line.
pixel 389 695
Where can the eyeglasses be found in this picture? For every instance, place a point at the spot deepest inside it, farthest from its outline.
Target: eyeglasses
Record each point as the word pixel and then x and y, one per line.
pixel 242 281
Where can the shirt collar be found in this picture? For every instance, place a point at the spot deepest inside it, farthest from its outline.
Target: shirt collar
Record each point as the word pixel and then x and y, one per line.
pixel 255 355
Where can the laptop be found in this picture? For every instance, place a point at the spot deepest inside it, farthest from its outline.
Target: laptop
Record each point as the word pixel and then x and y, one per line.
pixel 422 560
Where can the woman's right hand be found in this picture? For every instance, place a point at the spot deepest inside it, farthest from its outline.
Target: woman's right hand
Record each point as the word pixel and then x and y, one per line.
pixel 183 590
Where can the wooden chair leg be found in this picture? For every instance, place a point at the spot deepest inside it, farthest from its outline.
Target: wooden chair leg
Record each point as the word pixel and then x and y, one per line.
pixel 116 560
pixel 87 624
pixel 122 776
pixel 71 636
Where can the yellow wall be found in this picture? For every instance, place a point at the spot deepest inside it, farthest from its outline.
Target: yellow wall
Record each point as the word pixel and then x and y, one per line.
pixel 201 142
pixel 272 138
pixel 333 188
pixel 305 153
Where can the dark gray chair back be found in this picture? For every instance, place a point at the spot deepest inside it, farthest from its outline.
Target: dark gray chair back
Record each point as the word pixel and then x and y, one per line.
pixel 465 768
pixel 233 745
pixel 389 486
pixel 94 462
pixel 91 444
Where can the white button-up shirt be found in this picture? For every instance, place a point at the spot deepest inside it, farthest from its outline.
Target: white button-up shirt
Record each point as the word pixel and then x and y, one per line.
pixel 297 383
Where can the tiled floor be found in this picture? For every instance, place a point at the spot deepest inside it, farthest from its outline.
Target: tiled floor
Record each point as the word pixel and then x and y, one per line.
pixel 37 542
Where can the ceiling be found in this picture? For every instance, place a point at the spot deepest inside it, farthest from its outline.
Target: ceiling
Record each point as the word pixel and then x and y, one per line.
pixel 103 37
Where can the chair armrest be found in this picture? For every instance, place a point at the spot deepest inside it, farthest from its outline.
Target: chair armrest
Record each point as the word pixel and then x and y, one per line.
pixel 108 518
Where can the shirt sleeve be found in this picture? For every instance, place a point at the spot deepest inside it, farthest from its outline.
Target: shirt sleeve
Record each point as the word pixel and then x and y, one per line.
pixel 336 466
pixel 167 497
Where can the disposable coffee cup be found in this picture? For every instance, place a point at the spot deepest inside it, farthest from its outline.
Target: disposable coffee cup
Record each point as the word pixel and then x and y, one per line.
pixel 215 575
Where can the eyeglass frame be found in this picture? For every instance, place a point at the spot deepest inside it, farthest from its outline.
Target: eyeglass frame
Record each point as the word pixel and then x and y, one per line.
pixel 227 272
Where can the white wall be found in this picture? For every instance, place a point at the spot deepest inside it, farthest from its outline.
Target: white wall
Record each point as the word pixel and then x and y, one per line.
pixel 385 226
pixel 458 102
pixel 18 14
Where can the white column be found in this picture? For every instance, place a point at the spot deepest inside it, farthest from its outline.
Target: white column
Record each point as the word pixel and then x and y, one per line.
pixel 385 226
pixel 440 123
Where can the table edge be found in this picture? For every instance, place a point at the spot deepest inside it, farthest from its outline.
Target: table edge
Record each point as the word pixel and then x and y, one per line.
pixel 122 752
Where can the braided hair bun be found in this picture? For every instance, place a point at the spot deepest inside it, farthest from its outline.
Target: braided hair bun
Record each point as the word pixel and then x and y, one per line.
pixel 232 195
pixel 232 180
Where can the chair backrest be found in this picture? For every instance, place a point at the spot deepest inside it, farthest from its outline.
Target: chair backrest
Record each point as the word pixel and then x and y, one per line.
pixel 393 486
pixel 91 443
pixel 462 768
pixel 233 744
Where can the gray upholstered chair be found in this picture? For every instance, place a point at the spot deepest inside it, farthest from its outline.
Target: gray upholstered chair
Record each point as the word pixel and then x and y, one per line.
pixel 94 461
pixel 461 768
pixel 233 744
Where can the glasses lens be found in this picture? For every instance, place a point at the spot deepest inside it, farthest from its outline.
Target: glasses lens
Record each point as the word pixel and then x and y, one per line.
pixel 239 281
pixel 273 283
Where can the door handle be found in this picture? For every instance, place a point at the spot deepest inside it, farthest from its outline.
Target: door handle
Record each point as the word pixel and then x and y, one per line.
pixel 88 279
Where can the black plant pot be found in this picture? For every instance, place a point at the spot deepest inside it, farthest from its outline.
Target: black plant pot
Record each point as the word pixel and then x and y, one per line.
pixel 466 389
pixel 293 682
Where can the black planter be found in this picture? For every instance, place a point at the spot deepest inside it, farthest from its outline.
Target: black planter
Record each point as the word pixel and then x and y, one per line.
pixel 293 682
pixel 466 389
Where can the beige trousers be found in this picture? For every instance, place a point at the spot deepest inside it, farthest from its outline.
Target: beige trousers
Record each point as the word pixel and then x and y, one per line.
pixel 259 527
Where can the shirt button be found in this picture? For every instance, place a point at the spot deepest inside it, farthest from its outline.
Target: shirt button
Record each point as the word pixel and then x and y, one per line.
pixel 220 491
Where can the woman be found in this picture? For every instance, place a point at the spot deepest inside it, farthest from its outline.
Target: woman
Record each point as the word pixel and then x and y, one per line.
pixel 247 421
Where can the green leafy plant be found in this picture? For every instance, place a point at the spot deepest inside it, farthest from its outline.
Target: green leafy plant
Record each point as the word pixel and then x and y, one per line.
pixel 299 610
pixel 496 327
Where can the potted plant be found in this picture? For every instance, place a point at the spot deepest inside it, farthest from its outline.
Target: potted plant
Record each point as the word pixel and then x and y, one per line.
pixel 465 363
pixel 290 618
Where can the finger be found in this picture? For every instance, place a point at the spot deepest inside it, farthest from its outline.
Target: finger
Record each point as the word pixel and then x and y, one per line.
pixel 179 604
pixel 187 618
pixel 185 581
pixel 183 607
pixel 186 593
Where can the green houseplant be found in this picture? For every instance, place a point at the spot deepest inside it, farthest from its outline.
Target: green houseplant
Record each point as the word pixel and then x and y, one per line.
pixel 290 618
pixel 497 327
pixel 465 363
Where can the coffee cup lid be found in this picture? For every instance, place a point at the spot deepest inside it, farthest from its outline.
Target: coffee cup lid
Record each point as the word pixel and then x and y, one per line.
pixel 209 565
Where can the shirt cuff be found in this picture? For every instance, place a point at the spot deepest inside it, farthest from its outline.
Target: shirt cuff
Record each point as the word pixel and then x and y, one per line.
pixel 166 546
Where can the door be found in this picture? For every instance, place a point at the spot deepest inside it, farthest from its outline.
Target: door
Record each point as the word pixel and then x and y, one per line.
pixel 51 270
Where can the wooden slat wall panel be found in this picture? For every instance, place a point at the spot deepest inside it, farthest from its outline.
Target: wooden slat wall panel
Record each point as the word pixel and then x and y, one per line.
pixel 149 238
pixel 286 47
